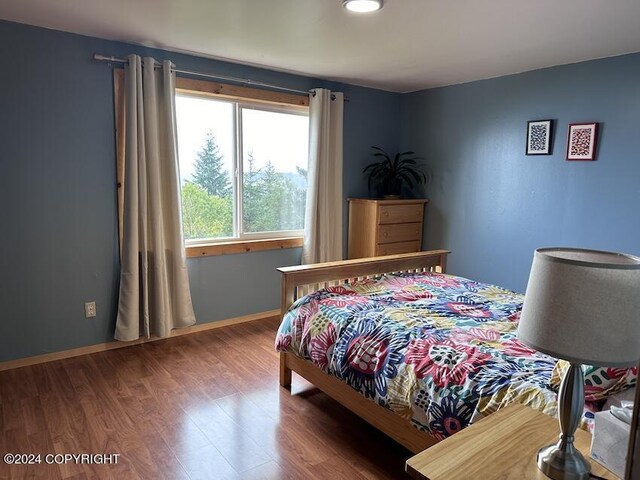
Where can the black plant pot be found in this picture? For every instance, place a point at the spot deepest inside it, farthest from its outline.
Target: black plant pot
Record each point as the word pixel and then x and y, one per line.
pixel 393 188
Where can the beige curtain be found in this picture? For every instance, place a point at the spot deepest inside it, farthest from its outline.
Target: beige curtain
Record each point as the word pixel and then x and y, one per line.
pixel 323 216
pixel 154 286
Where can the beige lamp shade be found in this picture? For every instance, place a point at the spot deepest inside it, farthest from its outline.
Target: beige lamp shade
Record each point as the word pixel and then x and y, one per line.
pixel 583 306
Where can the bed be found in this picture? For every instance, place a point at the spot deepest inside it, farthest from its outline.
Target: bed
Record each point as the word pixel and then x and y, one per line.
pixel 417 353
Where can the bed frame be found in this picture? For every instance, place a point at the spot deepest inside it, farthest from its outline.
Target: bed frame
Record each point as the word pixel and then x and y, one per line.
pixel 301 280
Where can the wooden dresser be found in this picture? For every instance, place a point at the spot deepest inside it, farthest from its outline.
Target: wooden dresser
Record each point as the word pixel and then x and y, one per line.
pixel 385 227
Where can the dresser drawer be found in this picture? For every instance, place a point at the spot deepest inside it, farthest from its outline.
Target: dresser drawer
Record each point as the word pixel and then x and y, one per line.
pixel 385 227
pixel 399 247
pixel 401 232
pixel 400 213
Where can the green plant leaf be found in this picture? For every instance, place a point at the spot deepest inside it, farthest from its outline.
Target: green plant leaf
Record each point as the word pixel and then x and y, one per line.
pixel 406 178
pixel 416 174
pixel 378 148
pixel 410 161
pixel 401 166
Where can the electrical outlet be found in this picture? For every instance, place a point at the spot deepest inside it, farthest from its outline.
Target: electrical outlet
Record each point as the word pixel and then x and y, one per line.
pixel 90 309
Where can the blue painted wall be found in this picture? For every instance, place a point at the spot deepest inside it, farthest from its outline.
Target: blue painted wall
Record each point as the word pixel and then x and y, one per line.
pixel 491 204
pixel 57 185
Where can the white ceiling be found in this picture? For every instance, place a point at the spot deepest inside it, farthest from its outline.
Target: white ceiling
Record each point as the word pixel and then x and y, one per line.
pixel 408 45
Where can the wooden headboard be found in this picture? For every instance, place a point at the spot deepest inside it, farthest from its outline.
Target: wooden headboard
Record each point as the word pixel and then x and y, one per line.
pixel 304 279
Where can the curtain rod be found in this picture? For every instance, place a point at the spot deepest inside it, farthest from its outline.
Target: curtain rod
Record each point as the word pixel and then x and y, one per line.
pixel 246 81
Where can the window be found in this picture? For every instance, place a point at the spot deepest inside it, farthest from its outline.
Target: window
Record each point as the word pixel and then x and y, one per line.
pixel 243 168
pixel 243 160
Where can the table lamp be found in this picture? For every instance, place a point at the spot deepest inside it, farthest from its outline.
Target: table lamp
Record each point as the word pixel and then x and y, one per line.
pixel 582 306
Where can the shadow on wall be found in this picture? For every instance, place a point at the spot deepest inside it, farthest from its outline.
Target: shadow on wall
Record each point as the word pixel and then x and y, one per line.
pixel 434 227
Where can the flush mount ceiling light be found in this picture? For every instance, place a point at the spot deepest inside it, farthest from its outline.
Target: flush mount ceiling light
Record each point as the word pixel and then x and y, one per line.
pixel 362 6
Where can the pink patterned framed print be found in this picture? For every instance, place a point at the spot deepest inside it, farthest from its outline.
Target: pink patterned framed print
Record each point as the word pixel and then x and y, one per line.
pixel 581 141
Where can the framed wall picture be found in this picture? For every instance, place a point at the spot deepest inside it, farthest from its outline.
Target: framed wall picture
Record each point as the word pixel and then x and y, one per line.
pixel 581 141
pixel 539 137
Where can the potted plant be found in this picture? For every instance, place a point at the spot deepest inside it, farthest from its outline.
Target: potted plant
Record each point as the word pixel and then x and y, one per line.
pixel 389 174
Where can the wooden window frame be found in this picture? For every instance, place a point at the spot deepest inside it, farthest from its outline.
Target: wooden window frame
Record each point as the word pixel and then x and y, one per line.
pixel 216 90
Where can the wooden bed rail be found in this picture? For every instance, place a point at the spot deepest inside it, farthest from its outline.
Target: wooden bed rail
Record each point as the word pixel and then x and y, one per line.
pixel 304 279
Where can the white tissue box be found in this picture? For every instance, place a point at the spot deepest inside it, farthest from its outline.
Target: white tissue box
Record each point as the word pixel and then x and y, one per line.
pixel 617 398
pixel 610 442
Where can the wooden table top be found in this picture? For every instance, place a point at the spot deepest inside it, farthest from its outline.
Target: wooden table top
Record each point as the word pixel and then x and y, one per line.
pixel 501 446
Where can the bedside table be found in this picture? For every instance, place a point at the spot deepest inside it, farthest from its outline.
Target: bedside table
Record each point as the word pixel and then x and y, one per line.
pixel 502 445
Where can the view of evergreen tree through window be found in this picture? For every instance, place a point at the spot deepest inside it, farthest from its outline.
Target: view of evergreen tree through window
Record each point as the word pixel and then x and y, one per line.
pixel 274 182
pixel 272 178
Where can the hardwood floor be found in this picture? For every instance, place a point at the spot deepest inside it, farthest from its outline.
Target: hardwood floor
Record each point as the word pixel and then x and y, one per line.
pixel 200 406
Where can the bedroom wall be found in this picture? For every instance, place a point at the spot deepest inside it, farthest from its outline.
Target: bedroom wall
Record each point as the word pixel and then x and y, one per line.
pixel 57 184
pixel 491 204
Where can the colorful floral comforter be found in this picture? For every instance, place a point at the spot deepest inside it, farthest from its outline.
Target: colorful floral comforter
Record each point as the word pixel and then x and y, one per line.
pixel 436 349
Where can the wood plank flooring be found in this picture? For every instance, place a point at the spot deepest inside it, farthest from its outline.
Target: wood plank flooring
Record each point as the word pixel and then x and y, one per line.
pixel 200 406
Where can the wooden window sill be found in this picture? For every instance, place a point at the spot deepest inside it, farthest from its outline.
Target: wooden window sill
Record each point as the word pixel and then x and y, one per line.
pixel 242 246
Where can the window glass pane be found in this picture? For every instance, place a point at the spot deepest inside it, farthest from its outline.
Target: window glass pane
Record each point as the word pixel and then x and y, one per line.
pixel 275 152
pixel 205 148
